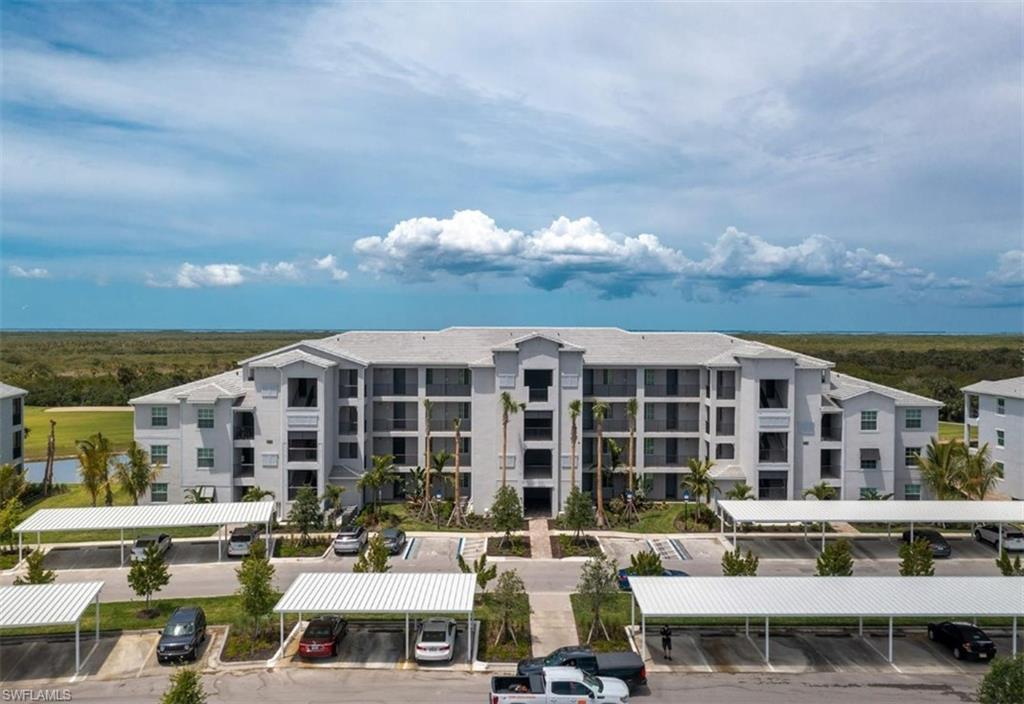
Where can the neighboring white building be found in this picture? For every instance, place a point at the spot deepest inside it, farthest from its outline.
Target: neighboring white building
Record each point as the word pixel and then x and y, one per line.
pixel 12 425
pixel 994 414
pixel 315 412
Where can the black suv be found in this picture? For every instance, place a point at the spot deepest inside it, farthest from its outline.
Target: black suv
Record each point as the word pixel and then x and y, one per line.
pixel 184 633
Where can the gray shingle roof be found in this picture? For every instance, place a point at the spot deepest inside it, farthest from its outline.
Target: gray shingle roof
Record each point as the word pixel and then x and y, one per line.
pixel 1011 388
pixel 845 386
pixel 7 391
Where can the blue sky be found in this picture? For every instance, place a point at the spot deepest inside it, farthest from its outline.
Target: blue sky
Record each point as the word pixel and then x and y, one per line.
pixel 737 167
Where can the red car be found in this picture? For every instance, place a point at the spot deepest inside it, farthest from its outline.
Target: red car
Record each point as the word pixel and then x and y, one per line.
pixel 321 637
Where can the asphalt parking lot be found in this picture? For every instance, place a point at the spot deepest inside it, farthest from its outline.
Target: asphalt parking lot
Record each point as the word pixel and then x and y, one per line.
pixel 376 646
pixel 100 557
pixel 862 548
pixel 792 651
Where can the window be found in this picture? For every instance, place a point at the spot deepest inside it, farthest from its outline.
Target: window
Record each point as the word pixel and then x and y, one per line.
pixel 913 419
pixel 910 456
pixel 648 377
pixel 869 420
pixel 1000 406
pixel 867 492
pixel 1001 467
pixel 648 446
pixel 16 412
pixel 725 451
pixel 348 450
pixel 773 447
pixel 158 493
pixel 16 445
pixel 1000 438
pixel 302 446
pixel 648 411
pixel 911 492
pixel 869 459
pixel 465 479
pixel 158 454
pixel 302 393
pixel 204 457
pixel 158 416
pixel 205 417
pixel 774 393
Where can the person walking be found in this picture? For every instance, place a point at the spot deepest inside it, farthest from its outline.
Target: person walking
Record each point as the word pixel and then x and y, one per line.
pixel 666 641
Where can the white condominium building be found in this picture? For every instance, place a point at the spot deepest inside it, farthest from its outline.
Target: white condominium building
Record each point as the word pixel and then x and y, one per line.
pixel 12 425
pixel 316 412
pixel 994 414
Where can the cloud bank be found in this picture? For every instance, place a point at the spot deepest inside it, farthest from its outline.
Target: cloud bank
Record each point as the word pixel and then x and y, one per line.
pixel 189 275
pixel 30 273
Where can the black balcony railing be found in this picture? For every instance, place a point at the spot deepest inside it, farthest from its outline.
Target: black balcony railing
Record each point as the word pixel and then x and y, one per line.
pixel 409 460
pixel 679 390
pixel 452 389
pixel 386 424
pixel 831 434
pixel 443 424
pixel 608 425
pixel 725 428
pixel 830 471
pixel 726 392
pixel 538 394
pixel 16 452
pixel 348 390
pixel 302 454
pixel 667 460
pixel 245 432
pixel 765 455
pixel 537 433
pixel 609 390
pixel 348 427
pixel 384 389
pixel 243 470
pixel 680 425
pixel 537 471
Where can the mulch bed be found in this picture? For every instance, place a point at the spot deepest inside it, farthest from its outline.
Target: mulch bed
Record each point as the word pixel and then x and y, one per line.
pixel 239 640
pixel 586 546
pixel 518 546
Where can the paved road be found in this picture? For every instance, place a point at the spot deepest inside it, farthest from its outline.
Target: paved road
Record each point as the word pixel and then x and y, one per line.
pixel 387 686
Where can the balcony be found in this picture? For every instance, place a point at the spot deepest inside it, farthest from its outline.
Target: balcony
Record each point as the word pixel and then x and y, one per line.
pixel 725 428
pixel 244 432
pixel 348 391
pixel 348 427
pixel 16 452
pixel 537 471
pixel 608 425
pixel 672 391
pixel 667 460
pixel 661 425
pixel 243 470
pixel 448 389
pixel 829 434
pixel 772 455
pixel 602 390
pixel 445 425
pixel 383 425
pixel 830 471
pixel 302 454
pixel 386 389
pixel 406 460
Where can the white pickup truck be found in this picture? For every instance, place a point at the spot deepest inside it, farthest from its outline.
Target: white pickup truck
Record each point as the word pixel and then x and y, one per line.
pixel 558 685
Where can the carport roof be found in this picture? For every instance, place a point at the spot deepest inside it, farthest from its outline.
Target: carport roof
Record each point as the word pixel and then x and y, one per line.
pixel 45 604
pixel 828 596
pixel 371 592
pixel 875 511
pixel 148 516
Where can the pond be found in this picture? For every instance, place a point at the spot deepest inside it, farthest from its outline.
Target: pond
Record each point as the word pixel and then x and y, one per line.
pixel 65 471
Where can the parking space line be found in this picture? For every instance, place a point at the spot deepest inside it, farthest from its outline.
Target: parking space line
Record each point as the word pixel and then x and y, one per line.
pixel 24 654
pixel 79 676
pixel 408 549
pixel 148 656
pixel 885 658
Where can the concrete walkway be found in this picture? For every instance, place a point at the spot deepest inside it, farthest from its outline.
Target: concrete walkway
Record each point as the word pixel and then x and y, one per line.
pixel 551 623
pixel 540 539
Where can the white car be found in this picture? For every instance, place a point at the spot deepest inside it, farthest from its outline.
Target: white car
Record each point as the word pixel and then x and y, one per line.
pixel 1013 537
pixel 436 640
pixel 162 542
pixel 241 540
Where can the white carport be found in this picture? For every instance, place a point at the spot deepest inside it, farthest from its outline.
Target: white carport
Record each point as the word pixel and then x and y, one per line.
pixel 33 605
pixel 841 597
pixel 889 512
pixel 147 516
pixel 381 593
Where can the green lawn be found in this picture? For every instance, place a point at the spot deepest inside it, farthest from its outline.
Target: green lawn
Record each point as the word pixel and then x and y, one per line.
pixel 75 497
pixel 397 515
pixel 950 431
pixel 661 517
pixel 72 426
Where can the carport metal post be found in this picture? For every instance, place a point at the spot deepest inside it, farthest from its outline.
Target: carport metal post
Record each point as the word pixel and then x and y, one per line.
pixel 19 547
pixel 282 634
pixel 890 640
pixel 1000 538
pixel 122 547
pixel 97 617
pixel 1015 636
pixel 734 545
pixel 268 538
pixel 406 635
pixel 767 642
pixel 911 531
pixel 469 636
pixel 860 626
pixel 823 536
pixel 78 624
pixel 643 633
pixel 220 534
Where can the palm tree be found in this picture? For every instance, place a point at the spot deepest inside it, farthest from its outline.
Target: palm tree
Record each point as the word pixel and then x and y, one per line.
pixel 258 493
pixel 94 460
pixel 383 471
pixel 332 495
pixel 980 474
pixel 631 409
pixel 575 408
pixel 194 495
pixel 872 494
pixel 135 474
pixel 942 467
pixel 457 516
pixel 426 509
pixel 699 481
pixel 438 461
pixel 741 491
pixel 599 411
pixel 509 406
pixel 822 491
pixel 615 452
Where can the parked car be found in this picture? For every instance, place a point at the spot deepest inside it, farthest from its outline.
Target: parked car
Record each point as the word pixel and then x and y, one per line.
pixel 940 547
pixel 322 637
pixel 965 640
pixel 626 573
pixel 626 666
pixel 162 542
pixel 241 540
pixel 436 640
pixel 184 633
pixel 349 540
pixel 1013 536
pixel 558 685
pixel 394 540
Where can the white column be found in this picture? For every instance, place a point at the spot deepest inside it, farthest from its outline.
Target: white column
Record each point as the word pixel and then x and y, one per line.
pixel 78 664
pixel 268 538
pixel 220 531
pixel 767 643
pixel 1015 636
pixel 860 626
pixel 911 531
pixel 746 626
pixel 282 634
pixel 469 637
pixel 406 636
pixel 734 545
pixel 823 536
pixel 805 531
pixel 19 547
pixel 97 617
pixel 632 609
pixel 122 547
pixel 890 639
pixel 643 635
pixel 1000 538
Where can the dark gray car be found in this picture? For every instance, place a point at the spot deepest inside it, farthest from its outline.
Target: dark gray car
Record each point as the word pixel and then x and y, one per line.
pixel 184 633
pixel 394 540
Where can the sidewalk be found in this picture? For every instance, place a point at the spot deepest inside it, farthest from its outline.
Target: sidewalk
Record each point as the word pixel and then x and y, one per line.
pixel 551 623
pixel 540 539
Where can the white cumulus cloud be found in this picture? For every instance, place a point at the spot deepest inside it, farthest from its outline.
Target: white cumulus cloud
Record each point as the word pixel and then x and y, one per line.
pixel 329 264
pixel 19 272
pixel 1010 269
pixel 190 275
